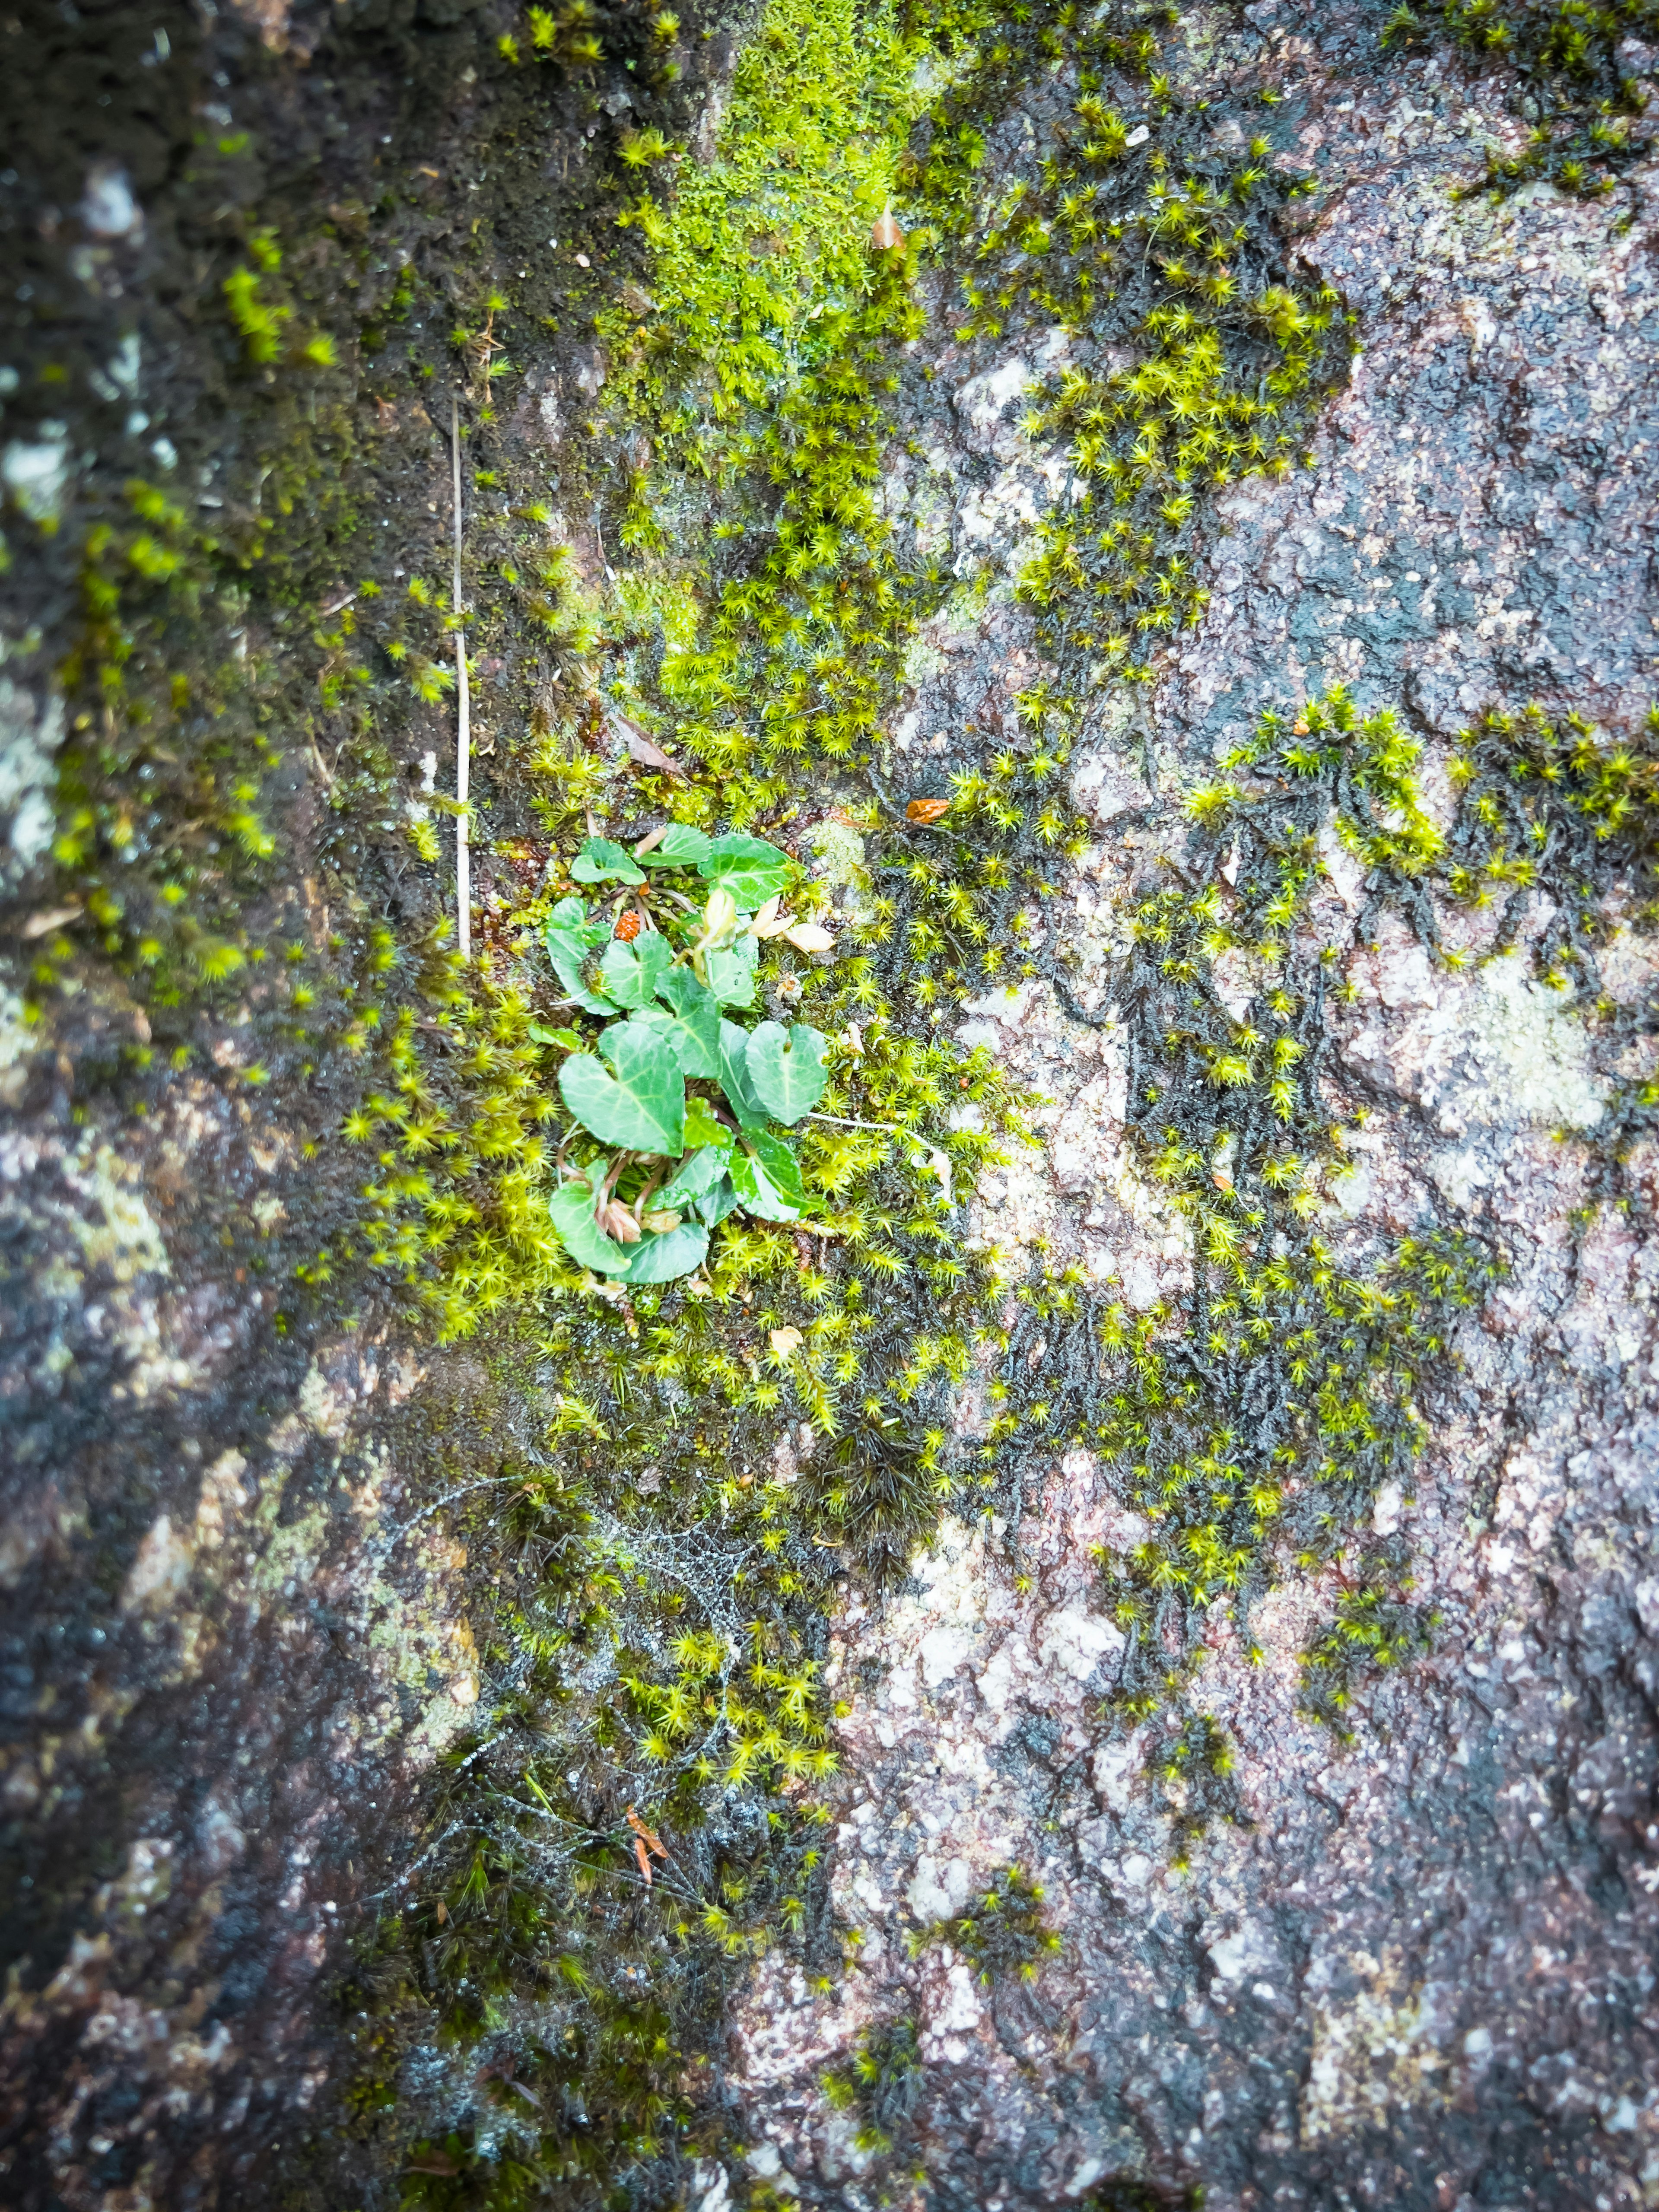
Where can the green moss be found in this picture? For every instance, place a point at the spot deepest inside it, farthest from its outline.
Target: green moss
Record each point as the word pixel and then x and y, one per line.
pixel 1568 82
pixel 1005 1933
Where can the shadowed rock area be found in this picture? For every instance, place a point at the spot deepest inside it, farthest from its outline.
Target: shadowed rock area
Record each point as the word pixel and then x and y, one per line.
pixel 1298 1848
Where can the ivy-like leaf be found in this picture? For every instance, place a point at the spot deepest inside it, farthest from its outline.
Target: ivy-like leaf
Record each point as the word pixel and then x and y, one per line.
pixel 704 1127
pixel 571 1209
pixel 682 846
pixel 699 1173
pixel 756 1192
pixel 716 1204
pixel 731 972
pixel 748 867
pixel 782 1168
pixel 734 1076
pixel 571 939
pixel 697 1021
pixel 643 1105
pixel 632 973
pixel 601 860
pixel 664 1258
pixel 786 1068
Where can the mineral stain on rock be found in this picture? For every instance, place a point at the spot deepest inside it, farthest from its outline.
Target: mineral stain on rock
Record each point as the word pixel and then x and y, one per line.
pixel 1120 1671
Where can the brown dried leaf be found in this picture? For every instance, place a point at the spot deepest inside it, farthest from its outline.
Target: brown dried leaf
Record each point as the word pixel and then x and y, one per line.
pixel 645 750
pixel 647 1836
pixel 926 810
pixel 885 235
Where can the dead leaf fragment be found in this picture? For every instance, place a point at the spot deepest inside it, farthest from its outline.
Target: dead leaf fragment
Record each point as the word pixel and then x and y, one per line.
pixel 433 2161
pixel 646 751
pixel 646 1841
pixel 50 917
pixel 810 937
pixel 926 810
pixel 885 235
pixel 661 1222
pixel 785 1342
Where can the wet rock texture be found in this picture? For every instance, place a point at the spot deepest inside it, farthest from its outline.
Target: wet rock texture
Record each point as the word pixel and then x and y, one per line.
pixel 1418 1971
pixel 235 1634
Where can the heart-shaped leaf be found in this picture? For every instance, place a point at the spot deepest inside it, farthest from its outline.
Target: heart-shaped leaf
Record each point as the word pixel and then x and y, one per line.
pixel 682 846
pixel 571 940
pixel 697 1021
pixel 642 1106
pixel 756 1191
pixel 731 973
pixel 601 860
pixel 734 1076
pixel 748 867
pixel 664 1258
pixel 571 1209
pixel 786 1068
pixel 632 972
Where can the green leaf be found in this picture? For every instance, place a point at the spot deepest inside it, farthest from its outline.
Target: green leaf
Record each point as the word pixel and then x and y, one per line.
pixel 786 1068
pixel 571 1208
pixel 782 1168
pixel 756 1191
pixel 682 846
pixel 570 1039
pixel 633 972
pixel 734 1077
pixel 716 1204
pixel 699 1172
pixel 703 1126
pixel 697 1023
pixel 570 939
pixel 664 1258
pixel 731 972
pixel 600 861
pixel 748 867
pixel 643 1106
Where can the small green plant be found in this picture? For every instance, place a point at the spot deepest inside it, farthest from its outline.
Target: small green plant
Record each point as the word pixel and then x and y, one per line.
pixel 683 1158
pixel 882 2084
pixel 1004 1933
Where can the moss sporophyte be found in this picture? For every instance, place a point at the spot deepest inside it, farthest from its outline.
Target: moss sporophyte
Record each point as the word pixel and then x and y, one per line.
pixel 684 1148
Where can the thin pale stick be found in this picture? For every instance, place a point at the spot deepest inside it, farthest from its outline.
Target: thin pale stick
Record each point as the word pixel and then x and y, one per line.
pixel 464 729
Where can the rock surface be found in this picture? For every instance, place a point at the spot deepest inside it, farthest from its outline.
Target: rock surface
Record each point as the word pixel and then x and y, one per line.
pixel 1415 1972
pixel 1418 1971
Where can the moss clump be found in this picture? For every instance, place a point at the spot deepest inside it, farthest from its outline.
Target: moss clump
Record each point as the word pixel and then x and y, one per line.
pixel 1547 806
pixel 1140 234
pixel 1004 1934
pixel 1568 82
pixel 881 2085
